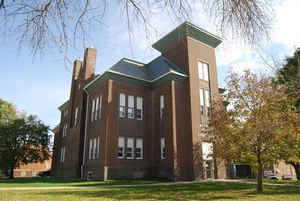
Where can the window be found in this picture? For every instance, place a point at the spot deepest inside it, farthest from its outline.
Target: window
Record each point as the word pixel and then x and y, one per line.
pixel 93 110
pixel 62 154
pixel 91 149
pixel 131 107
pixel 98 148
pixel 139 108
pixel 75 118
pixel 207 102
pixel 64 130
pixel 203 71
pixel 100 106
pixel 94 148
pixel 121 147
pixel 139 148
pixel 201 101
pixel 65 112
pixel 122 105
pixel 129 148
pixel 162 148
pixel 162 105
pixel 97 108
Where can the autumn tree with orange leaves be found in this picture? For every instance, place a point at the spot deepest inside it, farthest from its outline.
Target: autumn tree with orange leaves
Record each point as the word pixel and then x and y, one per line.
pixel 258 127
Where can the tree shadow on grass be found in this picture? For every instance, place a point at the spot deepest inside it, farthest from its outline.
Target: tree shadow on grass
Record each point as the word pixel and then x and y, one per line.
pixel 201 191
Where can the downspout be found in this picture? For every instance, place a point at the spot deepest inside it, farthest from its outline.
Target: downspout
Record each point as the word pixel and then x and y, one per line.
pixel 84 139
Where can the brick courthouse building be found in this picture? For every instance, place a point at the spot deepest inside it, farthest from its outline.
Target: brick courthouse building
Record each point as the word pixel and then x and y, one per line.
pixel 141 120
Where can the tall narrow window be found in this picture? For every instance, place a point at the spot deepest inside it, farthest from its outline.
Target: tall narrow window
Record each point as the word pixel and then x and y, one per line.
pixel 203 71
pixel 201 101
pixel 75 117
pixel 122 105
pixel 62 154
pixel 200 70
pixel 98 148
pixel 162 148
pixel 65 130
pixel 131 107
pixel 207 102
pixel 94 148
pixel 93 110
pixel 129 148
pixel 91 149
pixel 139 108
pixel 100 106
pixel 139 148
pixel 162 106
pixel 97 108
pixel 121 147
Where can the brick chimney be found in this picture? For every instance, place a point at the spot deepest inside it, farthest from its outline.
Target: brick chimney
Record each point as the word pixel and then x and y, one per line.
pixel 89 62
pixel 77 68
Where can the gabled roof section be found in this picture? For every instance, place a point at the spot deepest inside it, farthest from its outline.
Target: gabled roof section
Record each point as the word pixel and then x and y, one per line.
pixel 131 68
pixel 142 74
pixel 183 30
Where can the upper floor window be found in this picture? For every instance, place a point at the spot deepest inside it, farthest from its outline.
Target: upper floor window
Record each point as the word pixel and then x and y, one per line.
pixel 203 71
pixel 122 105
pixel 75 117
pixel 130 107
pixel 64 130
pixel 162 106
pixel 65 112
pixel 97 108
pixel 93 110
pixel 139 108
pixel 162 148
pixel 62 154
pixel 207 102
pixel 201 91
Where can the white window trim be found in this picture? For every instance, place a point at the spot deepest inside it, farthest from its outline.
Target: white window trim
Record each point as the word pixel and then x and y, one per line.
pixel 97 108
pixel 130 106
pixel 162 106
pixel 121 145
pixel 139 106
pixel 93 110
pixel 132 148
pixel 162 147
pixel 90 149
pixel 141 147
pixel 76 117
pixel 122 105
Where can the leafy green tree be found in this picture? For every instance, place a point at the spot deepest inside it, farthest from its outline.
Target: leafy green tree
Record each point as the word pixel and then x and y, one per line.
pixel 7 111
pixel 259 126
pixel 289 77
pixel 23 141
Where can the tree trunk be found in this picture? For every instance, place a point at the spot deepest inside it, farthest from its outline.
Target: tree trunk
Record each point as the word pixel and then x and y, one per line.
pixel 11 174
pixel 297 170
pixel 259 175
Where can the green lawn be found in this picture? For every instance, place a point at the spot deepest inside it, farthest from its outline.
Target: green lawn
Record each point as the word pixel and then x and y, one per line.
pixel 201 191
pixel 272 181
pixel 48 182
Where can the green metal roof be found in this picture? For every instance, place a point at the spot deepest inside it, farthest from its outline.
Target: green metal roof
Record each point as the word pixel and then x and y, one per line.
pixel 183 30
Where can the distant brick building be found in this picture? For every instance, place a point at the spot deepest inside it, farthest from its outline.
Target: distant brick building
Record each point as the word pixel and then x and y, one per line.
pixel 141 120
pixel 33 169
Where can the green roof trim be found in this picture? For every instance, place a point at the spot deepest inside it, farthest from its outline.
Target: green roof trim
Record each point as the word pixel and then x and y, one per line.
pixel 132 80
pixel 63 106
pixel 183 30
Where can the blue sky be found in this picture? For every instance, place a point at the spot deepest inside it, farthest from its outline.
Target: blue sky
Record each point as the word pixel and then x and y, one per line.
pixel 38 86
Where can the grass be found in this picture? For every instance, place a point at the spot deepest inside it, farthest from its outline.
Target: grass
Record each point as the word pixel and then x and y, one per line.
pixel 220 191
pixel 272 181
pixel 51 182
